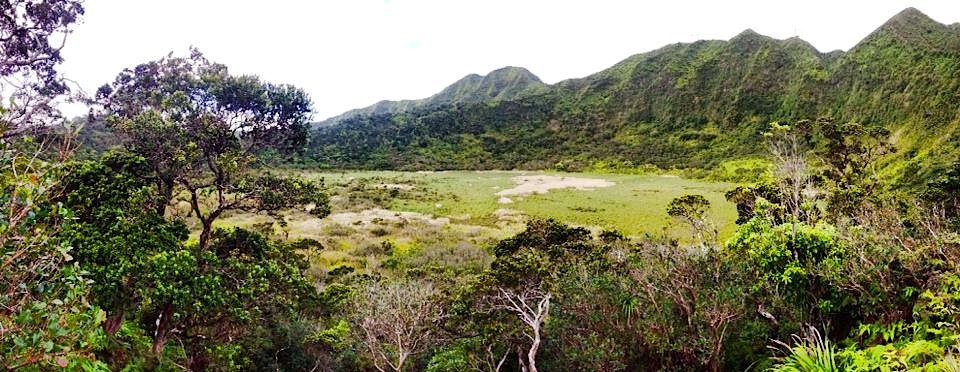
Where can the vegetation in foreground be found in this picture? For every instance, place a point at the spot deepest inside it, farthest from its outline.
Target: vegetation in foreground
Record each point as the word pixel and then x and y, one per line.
pixel 842 271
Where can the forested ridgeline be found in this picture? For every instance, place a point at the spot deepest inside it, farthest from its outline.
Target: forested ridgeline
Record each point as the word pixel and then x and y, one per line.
pixel 686 105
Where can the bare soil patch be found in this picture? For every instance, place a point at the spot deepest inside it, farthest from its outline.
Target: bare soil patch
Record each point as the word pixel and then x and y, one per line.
pixel 370 215
pixel 541 184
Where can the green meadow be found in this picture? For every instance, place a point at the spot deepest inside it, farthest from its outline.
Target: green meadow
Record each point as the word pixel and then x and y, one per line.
pixel 634 205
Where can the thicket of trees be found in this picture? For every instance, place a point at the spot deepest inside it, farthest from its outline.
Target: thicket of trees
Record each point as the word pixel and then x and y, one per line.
pixel 98 270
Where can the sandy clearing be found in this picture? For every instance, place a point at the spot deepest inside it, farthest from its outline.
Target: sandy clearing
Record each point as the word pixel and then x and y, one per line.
pixel 540 184
pixel 367 217
pixel 504 200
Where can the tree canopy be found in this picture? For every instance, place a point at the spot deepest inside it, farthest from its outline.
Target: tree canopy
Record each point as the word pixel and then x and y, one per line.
pixel 32 33
pixel 200 130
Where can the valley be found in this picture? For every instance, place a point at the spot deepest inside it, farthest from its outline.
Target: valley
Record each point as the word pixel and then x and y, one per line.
pixel 477 208
pixel 748 204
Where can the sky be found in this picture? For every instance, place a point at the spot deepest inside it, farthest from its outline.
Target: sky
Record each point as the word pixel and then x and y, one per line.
pixel 352 53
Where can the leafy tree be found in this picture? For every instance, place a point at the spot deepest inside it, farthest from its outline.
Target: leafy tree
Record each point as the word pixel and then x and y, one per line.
pixel 793 266
pixel 745 198
pixel 849 152
pixel 692 210
pixel 46 319
pixel 32 33
pixel 594 321
pixel 115 230
pixel 200 128
pixel 209 299
pixel 509 303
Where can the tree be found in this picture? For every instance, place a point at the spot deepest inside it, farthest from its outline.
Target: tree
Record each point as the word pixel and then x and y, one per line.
pixel 849 153
pixel 519 283
pixel 396 321
pixel 745 198
pixel 32 32
pixel 692 209
pixel 144 272
pixel 113 230
pixel 531 303
pixel 201 128
pixel 787 147
pixel 46 319
pixel 685 304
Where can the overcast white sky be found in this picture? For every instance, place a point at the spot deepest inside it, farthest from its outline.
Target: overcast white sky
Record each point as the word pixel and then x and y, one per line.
pixel 352 53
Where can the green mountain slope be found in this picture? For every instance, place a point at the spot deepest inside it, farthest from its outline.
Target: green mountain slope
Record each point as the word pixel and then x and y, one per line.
pixel 683 105
pixel 501 84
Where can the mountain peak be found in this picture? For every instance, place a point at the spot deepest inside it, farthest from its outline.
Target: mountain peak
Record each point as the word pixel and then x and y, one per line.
pixel 797 42
pixel 910 12
pixel 747 34
pixel 513 72
pixel 909 19
pixel 913 29
pixel 749 39
pixel 502 83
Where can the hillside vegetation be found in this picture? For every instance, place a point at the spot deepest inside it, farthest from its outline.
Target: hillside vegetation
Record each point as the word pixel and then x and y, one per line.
pixel 183 248
pixel 683 105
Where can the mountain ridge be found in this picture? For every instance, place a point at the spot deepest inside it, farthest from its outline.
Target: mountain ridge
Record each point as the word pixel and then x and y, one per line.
pixel 682 105
pixel 503 83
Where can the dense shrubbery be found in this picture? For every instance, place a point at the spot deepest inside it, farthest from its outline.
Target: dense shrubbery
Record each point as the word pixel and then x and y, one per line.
pixel 847 283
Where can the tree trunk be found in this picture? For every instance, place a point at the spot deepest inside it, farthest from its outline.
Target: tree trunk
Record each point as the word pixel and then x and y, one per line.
pixel 166 194
pixel 532 353
pixel 161 334
pixel 113 322
pixel 205 233
pixel 198 360
pixel 520 361
pixel 400 360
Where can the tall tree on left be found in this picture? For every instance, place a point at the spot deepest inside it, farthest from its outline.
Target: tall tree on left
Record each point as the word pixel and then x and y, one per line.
pixel 32 33
pixel 46 320
pixel 201 130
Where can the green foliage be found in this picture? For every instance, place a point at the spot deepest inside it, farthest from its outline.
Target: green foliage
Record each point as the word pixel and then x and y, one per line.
pixel 334 337
pixel 880 276
pixel 200 128
pixel 115 233
pixel 922 342
pixel 143 270
pixel 688 207
pixel 47 319
pixel 741 171
pixel 745 197
pixel 791 259
pixel 813 353
pixel 275 193
pixel 849 152
pixel 944 192
pixel 450 360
